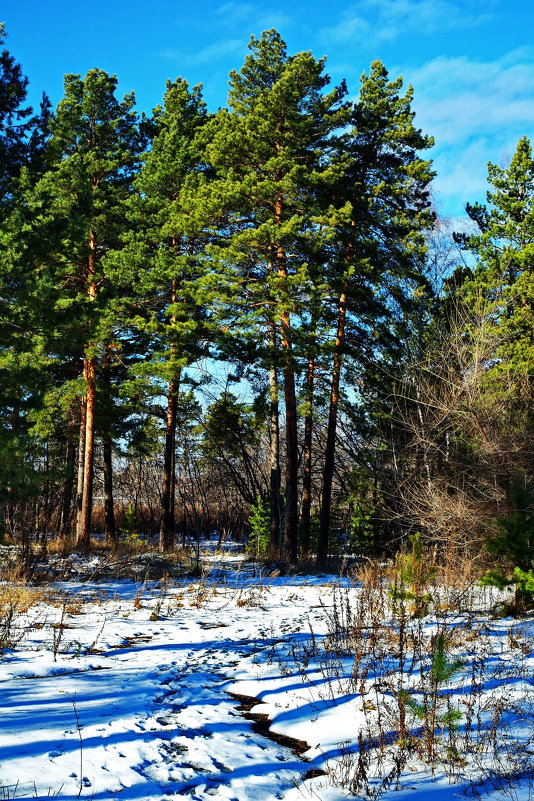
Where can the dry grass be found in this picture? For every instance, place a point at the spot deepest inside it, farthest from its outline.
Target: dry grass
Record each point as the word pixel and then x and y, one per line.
pixel 20 597
pixel 16 599
pixel 378 648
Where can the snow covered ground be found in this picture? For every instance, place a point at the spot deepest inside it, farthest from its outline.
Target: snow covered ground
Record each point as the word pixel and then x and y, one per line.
pixel 119 690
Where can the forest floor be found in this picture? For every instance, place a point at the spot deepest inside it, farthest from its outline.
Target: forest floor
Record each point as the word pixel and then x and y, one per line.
pixel 242 685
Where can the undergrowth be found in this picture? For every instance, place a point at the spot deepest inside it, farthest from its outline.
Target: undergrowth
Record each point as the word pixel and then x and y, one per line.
pixel 433 693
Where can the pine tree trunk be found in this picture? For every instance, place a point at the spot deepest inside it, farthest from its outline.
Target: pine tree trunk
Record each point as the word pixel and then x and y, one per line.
pixel 84 535
pixel 292 520
pixel 46 503
pixel 10 508
pixel 166 532
pixel 172 510
pixel 290 398
pixel 274 452
pixel 81 462
pixel 68 487
pixel 328 471
pixel 107 453
pixel 89 371
pixel 305 520
pixel 421 452
pixel 109 506
pixel 9 517
pixel 167 522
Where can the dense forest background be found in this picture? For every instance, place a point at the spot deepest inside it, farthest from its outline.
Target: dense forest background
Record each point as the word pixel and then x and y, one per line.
pixel 254 321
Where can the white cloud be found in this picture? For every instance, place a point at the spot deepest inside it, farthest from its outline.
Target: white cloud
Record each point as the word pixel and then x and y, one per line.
pixel 232 23
pixel 458 98
pixel 250 19
pixel 216 51
pixel 235 12
pixel 207 55
pixel 350 27
pixel 461 176
pixel 378 21
pixel 425 15
pixel 477 111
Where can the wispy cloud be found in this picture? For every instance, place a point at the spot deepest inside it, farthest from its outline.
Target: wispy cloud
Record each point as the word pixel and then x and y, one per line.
pixel 457 98
pixel 377 21
pixel 477 111
pixel 233 12
pixel 207 55
pixel 214 52
pixel 248 18
pixel 231 24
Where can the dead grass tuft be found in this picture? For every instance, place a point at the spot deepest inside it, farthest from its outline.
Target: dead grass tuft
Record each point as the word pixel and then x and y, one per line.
pixel 16 599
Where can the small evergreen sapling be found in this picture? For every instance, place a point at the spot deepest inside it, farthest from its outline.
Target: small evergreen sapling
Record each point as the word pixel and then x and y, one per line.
pixel 514 542
pixel 260 524
pixel 411 579
pixel 435 711
pixel 129 529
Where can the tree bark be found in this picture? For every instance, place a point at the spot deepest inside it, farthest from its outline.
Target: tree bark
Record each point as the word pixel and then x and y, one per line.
pixel 84 535
pixel 46 503
pixel 166 533
pixel 274 451
pixel 109 505
pixel 68 487
pixel 305 519
pixel 10 507
pixel 291 522
pixel 89 371
pixel 81 462
pixel 328 471
pixel 290 399
pixel 172 510
pixel 167 524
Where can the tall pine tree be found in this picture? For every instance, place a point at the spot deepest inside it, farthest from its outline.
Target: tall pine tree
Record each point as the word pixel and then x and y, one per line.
pixel 77 213
pixel 161 256
pixel 264 148
pixel 382 211
pixel 500 293
pixel 22 361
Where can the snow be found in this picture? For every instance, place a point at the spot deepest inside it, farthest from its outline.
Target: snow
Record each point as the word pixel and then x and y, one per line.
pixel 120 691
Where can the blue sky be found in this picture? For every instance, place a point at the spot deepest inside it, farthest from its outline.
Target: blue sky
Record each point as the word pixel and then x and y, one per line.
pixel 471 63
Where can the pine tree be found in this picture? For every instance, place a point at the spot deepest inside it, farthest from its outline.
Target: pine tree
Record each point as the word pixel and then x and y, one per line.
pixel 231 436
pixel 76 214
pixel 499 293
pixel 14 119
pixel 161 256
pixel 514 542
pixel 265 150
pixel 22 361
pixel 382 210
pixel 504 248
